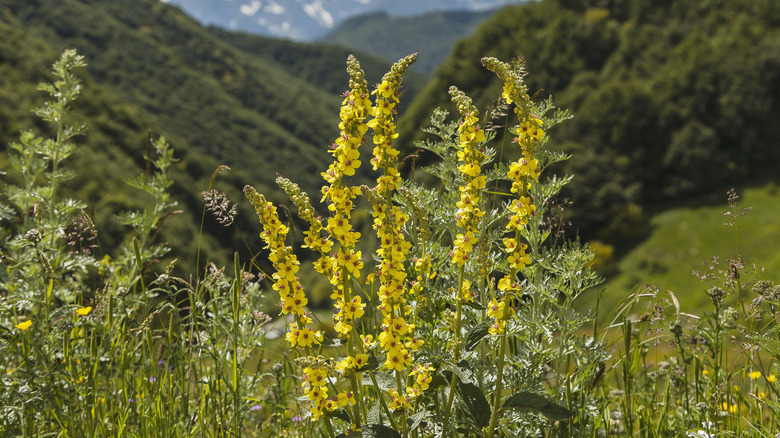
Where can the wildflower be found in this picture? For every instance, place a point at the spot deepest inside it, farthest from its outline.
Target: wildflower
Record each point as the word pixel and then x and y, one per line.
pixel 346 364
pixel 730 408
pixel 754 375
pixel 771 378
pixel 368 341
pixel 24 325
pixel 345 398
pixel 389 219
pixel 399 401
pixel 303 336
pixel 84 311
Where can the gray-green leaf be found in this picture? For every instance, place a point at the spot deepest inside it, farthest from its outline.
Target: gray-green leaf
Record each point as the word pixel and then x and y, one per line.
pixel 538 403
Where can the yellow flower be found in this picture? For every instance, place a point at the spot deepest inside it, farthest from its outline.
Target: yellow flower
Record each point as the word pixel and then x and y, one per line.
pixel 24 325
pixel 771 378
pixel 345 398
pixel 84 311
pixel 754 375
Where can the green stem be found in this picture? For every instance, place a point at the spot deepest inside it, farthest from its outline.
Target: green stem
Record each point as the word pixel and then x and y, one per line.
pixel 382 400
pixel 499 381
pixel 456 354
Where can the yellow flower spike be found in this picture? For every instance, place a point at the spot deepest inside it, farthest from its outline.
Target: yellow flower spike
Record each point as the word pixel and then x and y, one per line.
pixel 24 325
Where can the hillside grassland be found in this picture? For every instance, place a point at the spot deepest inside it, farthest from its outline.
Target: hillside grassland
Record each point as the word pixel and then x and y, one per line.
pixel 685 239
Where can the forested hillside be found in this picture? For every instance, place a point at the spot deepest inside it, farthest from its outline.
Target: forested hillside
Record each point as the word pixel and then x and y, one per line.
pixel 669 98
pixel 317 63
pixel 433 35
pixel 153 68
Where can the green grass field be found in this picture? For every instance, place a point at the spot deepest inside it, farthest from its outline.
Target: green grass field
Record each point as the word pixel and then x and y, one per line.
pixel 683 239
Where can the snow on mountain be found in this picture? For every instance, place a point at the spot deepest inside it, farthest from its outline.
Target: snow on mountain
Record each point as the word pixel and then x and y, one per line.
pixel 306 20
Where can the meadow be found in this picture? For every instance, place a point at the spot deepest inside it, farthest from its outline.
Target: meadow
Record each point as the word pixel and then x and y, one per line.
pixel 457 312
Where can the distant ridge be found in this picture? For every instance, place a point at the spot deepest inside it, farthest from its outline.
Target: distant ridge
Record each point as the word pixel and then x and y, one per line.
pixel 307 20
pixel 432 34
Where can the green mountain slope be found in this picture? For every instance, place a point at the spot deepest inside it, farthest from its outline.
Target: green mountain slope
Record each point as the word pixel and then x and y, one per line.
pixel 222 102
pixel 153 68
pixel 686 239
pixel 112 151
pixel 391 37
pixel 318 63
pixel 669 98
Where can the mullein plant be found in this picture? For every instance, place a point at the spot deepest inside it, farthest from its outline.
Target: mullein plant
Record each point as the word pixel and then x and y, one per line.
pixel 474 330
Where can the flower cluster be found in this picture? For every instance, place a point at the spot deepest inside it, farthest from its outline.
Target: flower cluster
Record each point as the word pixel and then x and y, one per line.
pixel 522 172
pixel 422 380
pixel 347 262
pixel 500 312
pixel 469 214
pixel 396 338
pixel 286 265
pixel 315 381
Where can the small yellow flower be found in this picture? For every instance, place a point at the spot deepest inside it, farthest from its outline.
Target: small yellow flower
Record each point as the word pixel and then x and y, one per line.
pixel 771 378
pixel 24 325
pixel 84 311
pixel 754 375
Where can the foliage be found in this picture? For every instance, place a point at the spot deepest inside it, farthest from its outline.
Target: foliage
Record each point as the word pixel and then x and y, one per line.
pixel 92 344
pixel 672 98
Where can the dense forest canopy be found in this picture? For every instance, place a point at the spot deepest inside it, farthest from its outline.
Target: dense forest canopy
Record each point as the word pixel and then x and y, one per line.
pixel 669 98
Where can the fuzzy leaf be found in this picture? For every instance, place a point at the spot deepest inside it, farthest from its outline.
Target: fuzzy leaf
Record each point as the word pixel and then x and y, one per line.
pixel 475 335
pixel 473 305
pixel 379 431
pixel 374 414
pixel 538 403
pixel 335 342
pixel 372 364
pixel 417 419
pixel 384 381
pixel 341 414
pixel 462 371
pixel 475 402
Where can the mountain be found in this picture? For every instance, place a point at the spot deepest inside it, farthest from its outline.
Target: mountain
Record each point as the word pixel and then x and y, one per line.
pixel 670 99
pixel 306 20
pixel 432 35
pixel 152 67
pixel 316 62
